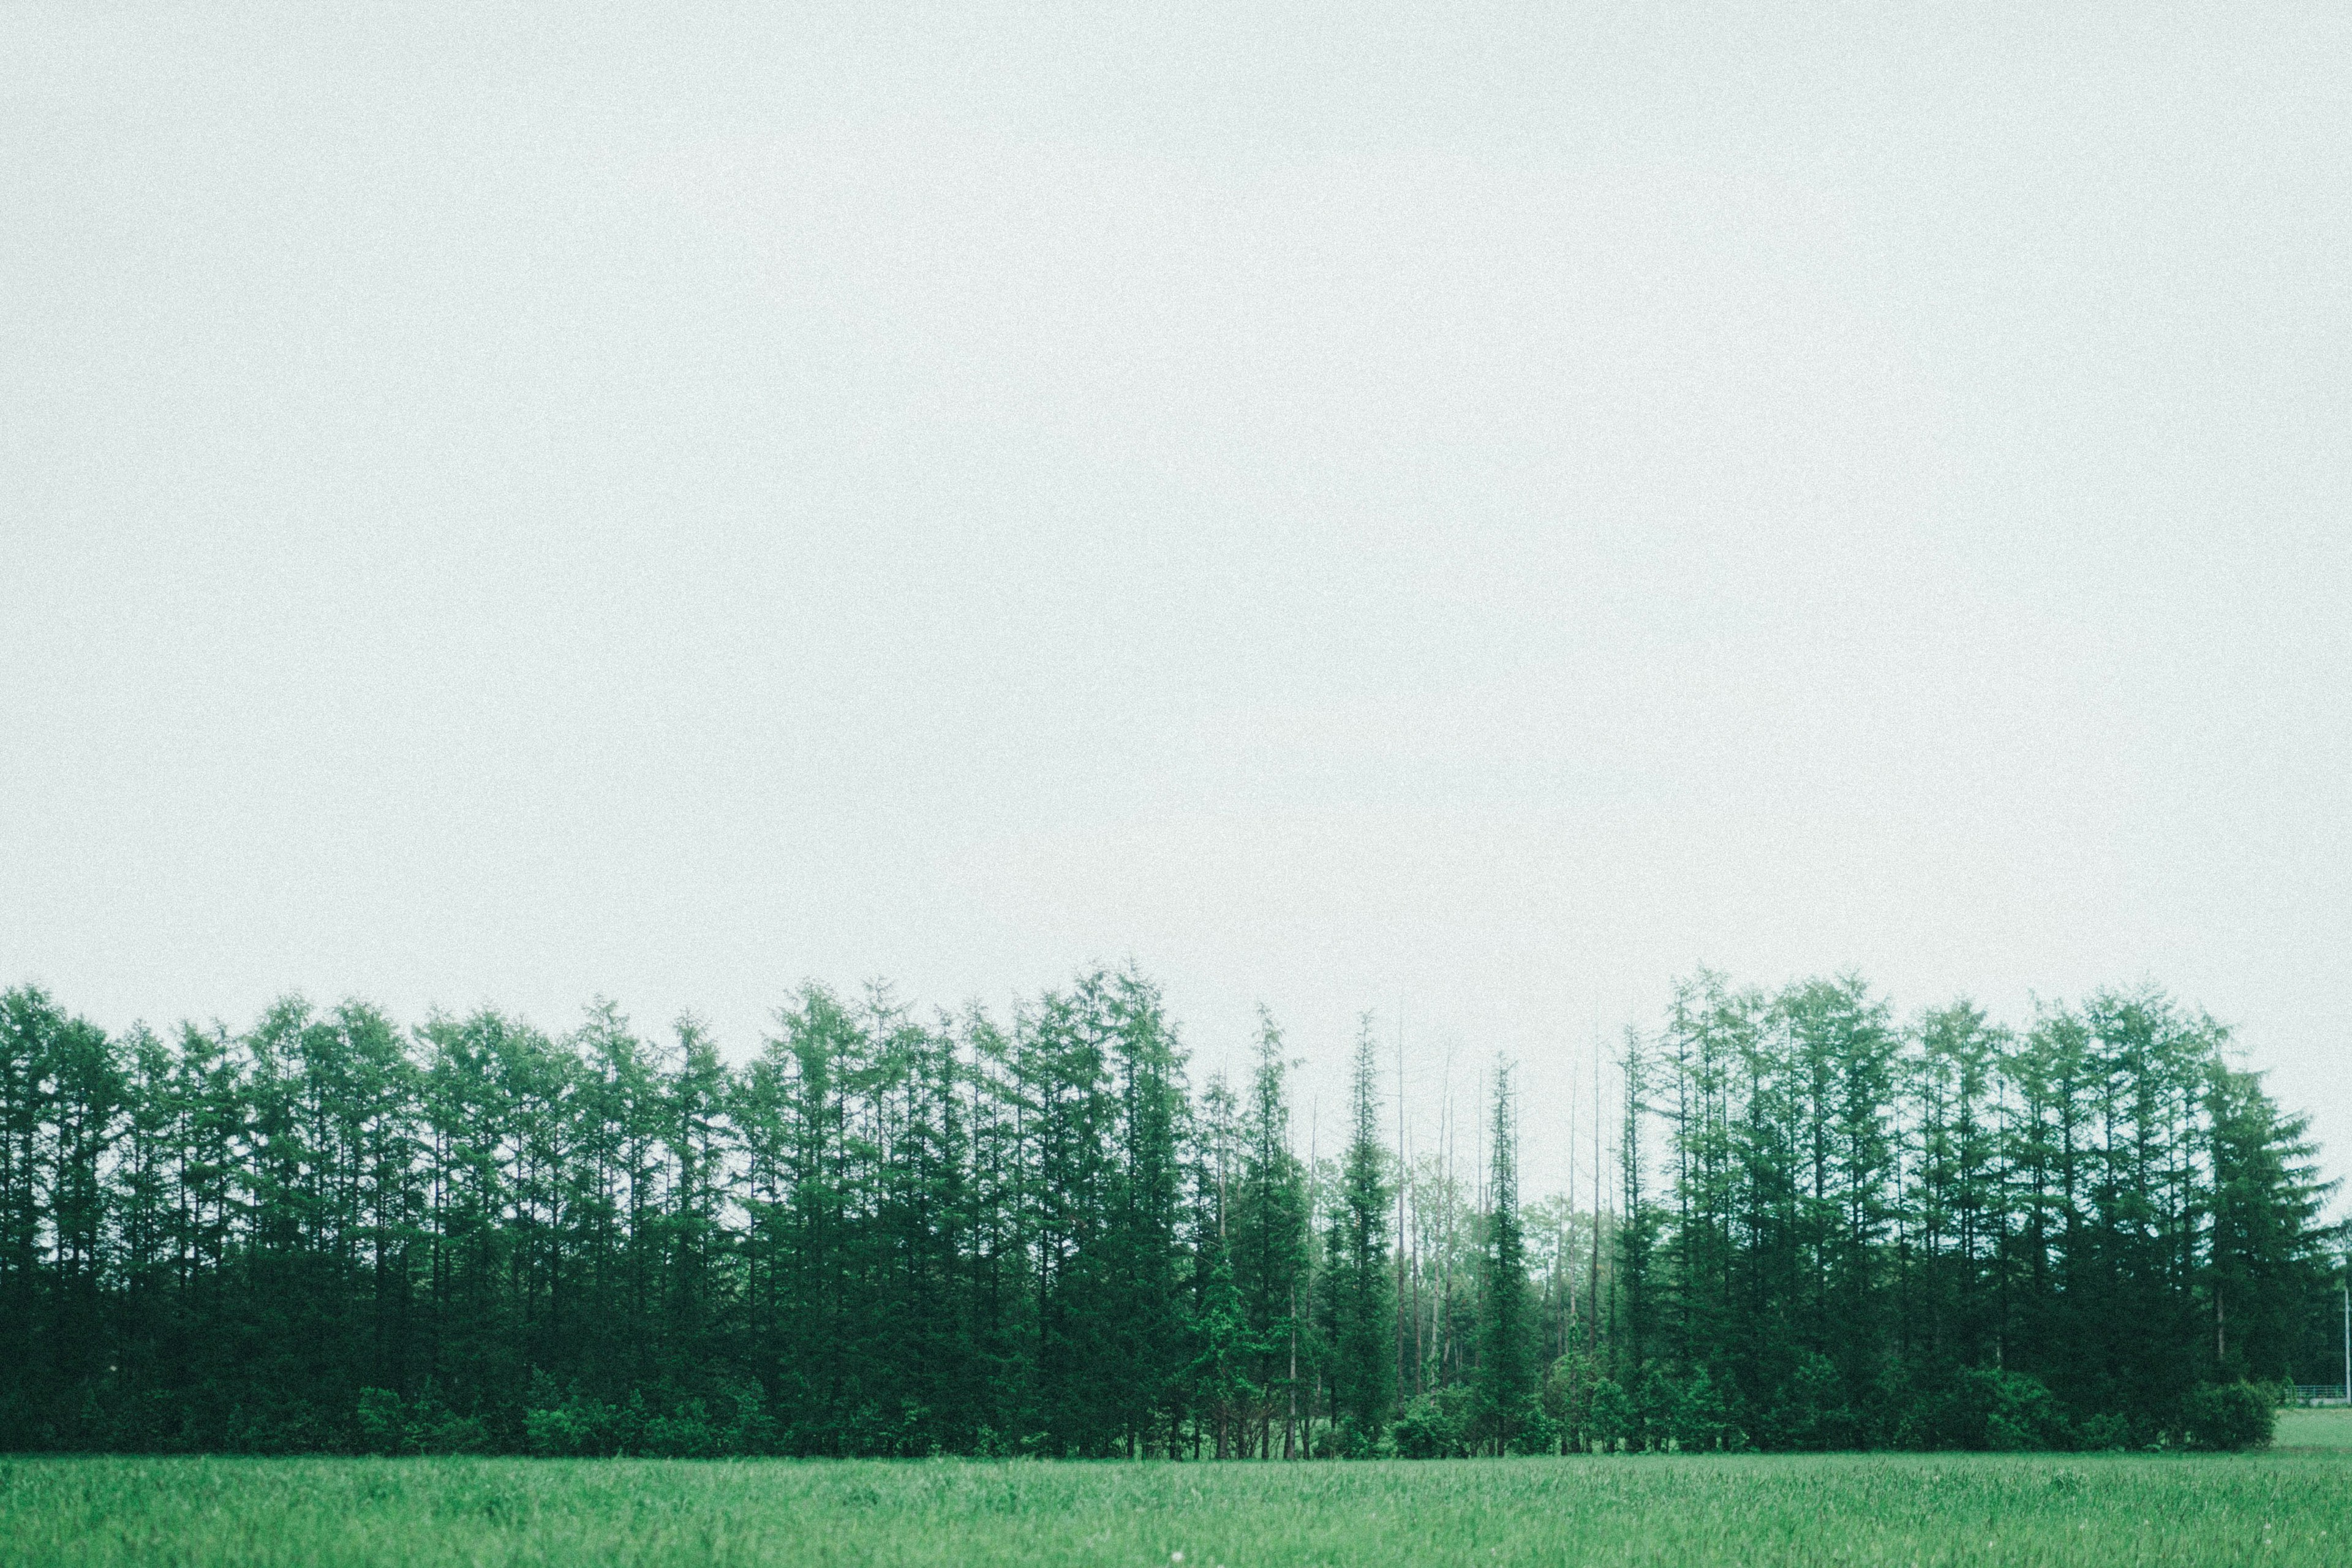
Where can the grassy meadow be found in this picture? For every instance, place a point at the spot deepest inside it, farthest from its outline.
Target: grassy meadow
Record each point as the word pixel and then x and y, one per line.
pixel 2316 1428
pixel 2289 1507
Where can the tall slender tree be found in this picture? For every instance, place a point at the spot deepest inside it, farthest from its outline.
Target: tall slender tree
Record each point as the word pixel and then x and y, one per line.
pixel 1360 1289
pixel 1507 1382
pixel 888 1234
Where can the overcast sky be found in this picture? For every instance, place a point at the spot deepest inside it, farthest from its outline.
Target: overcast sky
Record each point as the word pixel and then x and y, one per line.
pixel 1471 509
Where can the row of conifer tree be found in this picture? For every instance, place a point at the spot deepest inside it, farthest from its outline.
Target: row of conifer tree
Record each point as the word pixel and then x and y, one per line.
pixel 887 1233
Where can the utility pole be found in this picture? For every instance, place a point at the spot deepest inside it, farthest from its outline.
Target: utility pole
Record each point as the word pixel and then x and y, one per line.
pixel 2347 1330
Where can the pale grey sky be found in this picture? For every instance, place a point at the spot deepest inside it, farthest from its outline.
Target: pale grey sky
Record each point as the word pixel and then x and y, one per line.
pixel 1478 508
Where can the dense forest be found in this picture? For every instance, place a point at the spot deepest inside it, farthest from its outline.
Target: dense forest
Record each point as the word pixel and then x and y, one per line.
pixel 890 1233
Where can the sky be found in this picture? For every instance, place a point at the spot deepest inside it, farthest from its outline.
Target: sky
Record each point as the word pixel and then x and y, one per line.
pixel 1464 512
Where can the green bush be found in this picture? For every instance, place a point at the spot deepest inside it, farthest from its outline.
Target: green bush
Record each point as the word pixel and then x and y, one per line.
pixel 2229 1416
pixel 1814 1413
pixel 2009 1411
pixel 381 1422
pixel 1538 1433
pixel 1433 1426
pixel 384 1423
pixel 1612 1419
pixel 1348 1441
pixel 564 1423
pixel 687 1434
pixel 1698 1418
pixel 2105 1432
pixel 452 1433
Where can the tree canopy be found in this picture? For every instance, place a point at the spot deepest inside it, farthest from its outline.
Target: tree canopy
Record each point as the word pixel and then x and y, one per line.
pixel 891 1233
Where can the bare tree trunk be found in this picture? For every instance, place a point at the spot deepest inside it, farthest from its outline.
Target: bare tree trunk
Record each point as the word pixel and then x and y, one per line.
pixel 1420 1350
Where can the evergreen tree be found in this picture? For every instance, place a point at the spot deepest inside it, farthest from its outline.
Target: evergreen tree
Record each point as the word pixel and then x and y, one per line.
pixel 1217 1386
pixel 888 1235
pixel 1075 1408
pixel 1637 1338
pixel 1507 1385
pixel 1359 1288
pixel 2268 1258
pixel 1146 1240
pixel 1268 1243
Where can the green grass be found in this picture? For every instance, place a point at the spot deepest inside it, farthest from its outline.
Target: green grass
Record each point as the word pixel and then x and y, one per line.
pixel 2282 1508
pixel 2320 1428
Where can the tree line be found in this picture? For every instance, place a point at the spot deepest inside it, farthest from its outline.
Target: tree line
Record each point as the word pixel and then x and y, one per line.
pixel 894 1233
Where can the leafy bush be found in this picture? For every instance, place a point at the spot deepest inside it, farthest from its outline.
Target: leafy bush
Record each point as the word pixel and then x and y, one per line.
pixel 451 1434
pixel 1567 1397
pixel 753 1430
pixel 1612 1420
pixel 2229 1416
pixel 1536 1434
pixel 563 1423
pixel 381 1422
pixel 687 1434
pixel 2009 1412
pixel 1433 1426
pixel 1814 1413
pixel 384 1423
pixel 2105 1431
pixel 1697 1418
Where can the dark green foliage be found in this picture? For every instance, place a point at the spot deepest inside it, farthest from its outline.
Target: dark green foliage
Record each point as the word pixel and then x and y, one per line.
pixel 1985 1408
pixel 1435 1426
pixel 1856 1236
pixel 891 1234
pixel 1359 1281
pixel 1507 1385
pixel 1267 1244
pixel 2230 1416
pixel 1613 1424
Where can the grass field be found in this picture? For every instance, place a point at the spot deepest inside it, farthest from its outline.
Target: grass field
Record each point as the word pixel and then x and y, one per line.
pixel 2314 1429
pixel 2287 1507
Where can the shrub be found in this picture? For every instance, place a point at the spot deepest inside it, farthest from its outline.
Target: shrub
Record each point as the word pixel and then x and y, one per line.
pixel 2105 1431
pixel 753 1430
pixel 381 1422
pixel 1433 1427
pixel 1815 1413
pixel 2009 1412
pixel 1567 1396
pixel 1611 1420
pixel 1539 1434
pixel 456 1434
pixel 687 1434
pixel 2229 1416
pixel 565 1424
pixel 1698 1418
pixel 384 1423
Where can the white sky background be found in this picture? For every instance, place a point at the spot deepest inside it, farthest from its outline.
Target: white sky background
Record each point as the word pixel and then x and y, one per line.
pixel 1441 507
